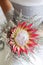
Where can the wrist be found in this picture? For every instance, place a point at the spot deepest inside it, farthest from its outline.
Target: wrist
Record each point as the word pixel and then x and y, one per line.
pixel 9 15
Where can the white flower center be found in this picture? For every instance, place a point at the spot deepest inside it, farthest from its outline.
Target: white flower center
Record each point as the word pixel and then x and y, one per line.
pixel 22 37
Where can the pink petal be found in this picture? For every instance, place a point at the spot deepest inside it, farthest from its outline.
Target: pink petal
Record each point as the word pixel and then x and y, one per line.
pixel 30 45
pixel 31 49
pixel 34 35
pixel 12 30
pixel 29 29
pixel 23 24
pixel 11 43
pixel 14 48
pixel 25 50
pixel 29 26
pixel 34 30
pixel 19 24
pixel 19 51
pixel 33 42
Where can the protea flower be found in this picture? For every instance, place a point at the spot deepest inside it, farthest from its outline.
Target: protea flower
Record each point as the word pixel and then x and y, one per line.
pixel 22 38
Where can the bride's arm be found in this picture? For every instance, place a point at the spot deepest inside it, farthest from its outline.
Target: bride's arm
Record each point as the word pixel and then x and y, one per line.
pixel 7 8
pixel 6 5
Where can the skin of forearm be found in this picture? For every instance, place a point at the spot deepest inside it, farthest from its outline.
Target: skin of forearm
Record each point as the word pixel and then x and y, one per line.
pixel 6 5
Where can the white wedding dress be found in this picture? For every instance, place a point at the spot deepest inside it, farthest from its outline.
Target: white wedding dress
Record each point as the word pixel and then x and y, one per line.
pixel 6 57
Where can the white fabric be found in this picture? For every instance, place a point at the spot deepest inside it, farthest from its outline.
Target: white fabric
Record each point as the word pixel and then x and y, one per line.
pixel 2 20
pixel 28 2
pixel 38 56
